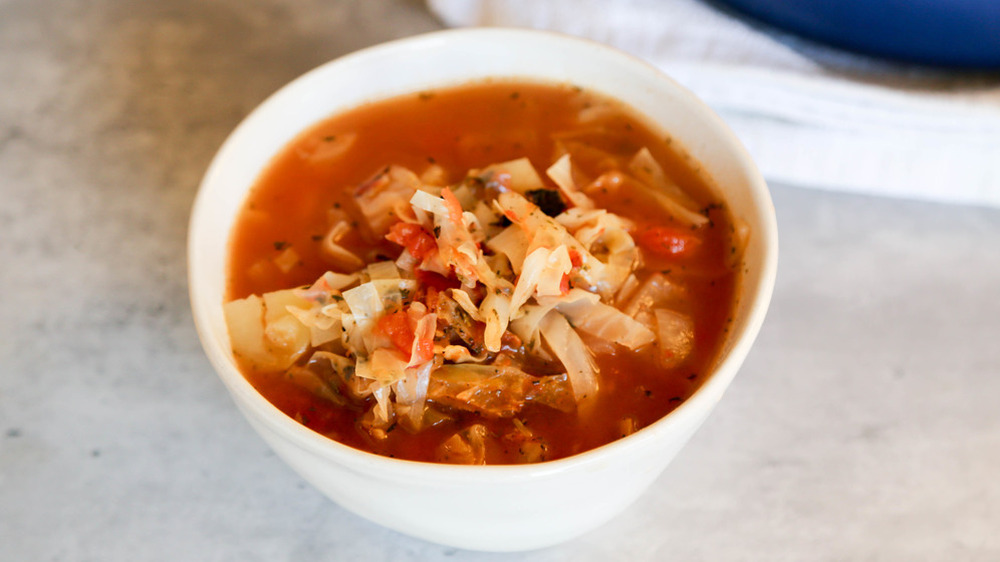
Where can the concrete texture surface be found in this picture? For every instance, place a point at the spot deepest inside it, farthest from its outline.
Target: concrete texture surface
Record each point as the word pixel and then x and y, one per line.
pixel 865 424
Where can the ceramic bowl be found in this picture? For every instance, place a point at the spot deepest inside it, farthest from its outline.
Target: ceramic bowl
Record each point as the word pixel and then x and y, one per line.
pixel 494 508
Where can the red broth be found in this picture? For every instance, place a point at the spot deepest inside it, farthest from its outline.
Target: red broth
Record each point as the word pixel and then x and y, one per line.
pixel 465 128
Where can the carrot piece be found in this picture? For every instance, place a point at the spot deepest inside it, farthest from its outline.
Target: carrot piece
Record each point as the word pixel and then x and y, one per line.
pixel 454 207
pixel 575 258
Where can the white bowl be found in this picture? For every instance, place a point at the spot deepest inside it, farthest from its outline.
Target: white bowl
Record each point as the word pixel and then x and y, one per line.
pixel 496 508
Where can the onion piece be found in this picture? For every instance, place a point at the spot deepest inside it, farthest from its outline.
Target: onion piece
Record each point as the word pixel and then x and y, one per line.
pixel 287 259
pixel 377 197
pixel 430 203
pixel 656 291
pixel 647 170
pixel 382 270
pixel 523 176
pixel 264 332
pixel 245 321
pixel 339 256
pixel 675 332
pixel 561 173
pixel 406 262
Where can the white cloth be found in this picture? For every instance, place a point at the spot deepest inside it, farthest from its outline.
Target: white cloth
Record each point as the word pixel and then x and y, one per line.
pixel 810 115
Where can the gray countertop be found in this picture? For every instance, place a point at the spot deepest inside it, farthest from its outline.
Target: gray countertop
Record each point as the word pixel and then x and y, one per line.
pixel 865 424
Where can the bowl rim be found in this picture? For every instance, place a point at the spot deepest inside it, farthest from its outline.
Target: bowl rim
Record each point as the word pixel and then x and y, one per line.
pixel 705 396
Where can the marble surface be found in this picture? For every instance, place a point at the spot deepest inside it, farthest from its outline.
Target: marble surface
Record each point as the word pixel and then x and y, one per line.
pixel 864 426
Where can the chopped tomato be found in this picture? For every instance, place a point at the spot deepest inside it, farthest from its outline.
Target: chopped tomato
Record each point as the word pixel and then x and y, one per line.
pixel 564 284
pixel 666 241
pixel 414 238
pixel 396 325
pixel 436 280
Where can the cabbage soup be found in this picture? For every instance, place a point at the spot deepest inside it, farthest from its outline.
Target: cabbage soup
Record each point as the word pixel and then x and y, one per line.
pixel 496 273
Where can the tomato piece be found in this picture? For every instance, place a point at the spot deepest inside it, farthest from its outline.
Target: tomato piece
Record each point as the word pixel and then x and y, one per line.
pixel 396 326
pixel 414 238
pixel 667 241
pixel 436 280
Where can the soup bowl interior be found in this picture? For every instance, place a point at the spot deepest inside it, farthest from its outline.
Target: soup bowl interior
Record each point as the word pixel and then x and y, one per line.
pixel 498 508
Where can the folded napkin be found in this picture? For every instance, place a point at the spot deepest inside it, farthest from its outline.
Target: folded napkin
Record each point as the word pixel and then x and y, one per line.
pixel 810 115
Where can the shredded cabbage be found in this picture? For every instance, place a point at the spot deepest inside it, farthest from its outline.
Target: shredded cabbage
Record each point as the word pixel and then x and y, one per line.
pixel 526 326
pixel 606 322
pixel 337 254
pixel 521 174
pixel 562 174
pixel 513 243
pixel 377 197
pixel 567 346
pixel 526 291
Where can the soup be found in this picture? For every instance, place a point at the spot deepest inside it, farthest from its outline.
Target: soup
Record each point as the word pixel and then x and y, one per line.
pixel 496 273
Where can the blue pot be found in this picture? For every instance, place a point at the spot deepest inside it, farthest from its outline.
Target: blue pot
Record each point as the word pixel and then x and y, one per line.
pixel 958 33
